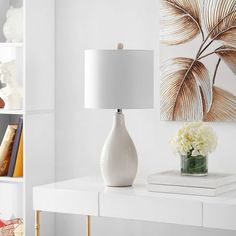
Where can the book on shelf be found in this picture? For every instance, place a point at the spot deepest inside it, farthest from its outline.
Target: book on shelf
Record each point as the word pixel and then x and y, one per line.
pixel 173 182
pixel 6 149
pixel 15 148
pixel 18 170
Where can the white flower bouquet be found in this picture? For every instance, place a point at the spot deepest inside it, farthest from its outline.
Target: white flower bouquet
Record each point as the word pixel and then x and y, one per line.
pixel 194 141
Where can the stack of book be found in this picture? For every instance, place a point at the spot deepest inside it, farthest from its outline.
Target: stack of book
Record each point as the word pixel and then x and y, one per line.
pixel 173 182
pixel 11 151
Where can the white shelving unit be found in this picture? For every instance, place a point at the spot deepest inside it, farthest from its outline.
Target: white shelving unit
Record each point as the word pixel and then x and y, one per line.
pixel 5 179
pixel 35 59
pixel 11 45
pixel 11 112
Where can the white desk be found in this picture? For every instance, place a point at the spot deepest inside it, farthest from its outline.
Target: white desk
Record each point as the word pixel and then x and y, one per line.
pixel 87 196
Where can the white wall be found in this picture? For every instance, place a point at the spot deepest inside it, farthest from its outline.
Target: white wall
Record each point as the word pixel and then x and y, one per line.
pixel 80 133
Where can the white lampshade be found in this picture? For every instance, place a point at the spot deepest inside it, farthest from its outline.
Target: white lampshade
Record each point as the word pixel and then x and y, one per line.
pixel 117 79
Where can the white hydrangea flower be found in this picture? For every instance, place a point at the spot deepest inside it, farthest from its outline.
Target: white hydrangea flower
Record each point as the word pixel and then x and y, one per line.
pixel 194 138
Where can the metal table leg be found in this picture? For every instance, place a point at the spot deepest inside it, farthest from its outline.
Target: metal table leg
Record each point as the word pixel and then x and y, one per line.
pixel 37 223
pixel 88 226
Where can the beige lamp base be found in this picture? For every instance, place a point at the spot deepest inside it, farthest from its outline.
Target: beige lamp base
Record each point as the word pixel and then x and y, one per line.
pixel 119 160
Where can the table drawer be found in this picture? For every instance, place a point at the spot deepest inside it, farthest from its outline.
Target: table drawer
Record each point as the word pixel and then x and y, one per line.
pixel 218 215
pixel 66 201
pixel 156 209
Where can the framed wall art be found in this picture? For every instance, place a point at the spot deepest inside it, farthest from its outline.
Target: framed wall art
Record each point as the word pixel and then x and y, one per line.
pixel 198 60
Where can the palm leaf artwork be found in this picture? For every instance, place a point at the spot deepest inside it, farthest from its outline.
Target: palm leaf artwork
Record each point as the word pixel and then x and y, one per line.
pixel 185 85
pixel 188 90
pixel 185 25
pixel 228 55
pixel 223 106
pixel 220 20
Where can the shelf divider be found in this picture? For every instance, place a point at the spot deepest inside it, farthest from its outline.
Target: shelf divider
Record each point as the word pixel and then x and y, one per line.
pixel 9 112
pixel 11 179
pixel 14 45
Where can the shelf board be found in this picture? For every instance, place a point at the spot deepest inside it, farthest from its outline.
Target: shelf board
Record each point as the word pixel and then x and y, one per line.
pixel 11 179
pixel 9 112
pixel 14 45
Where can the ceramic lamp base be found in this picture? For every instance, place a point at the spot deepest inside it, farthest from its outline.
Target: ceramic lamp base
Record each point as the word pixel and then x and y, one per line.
pixel 119 160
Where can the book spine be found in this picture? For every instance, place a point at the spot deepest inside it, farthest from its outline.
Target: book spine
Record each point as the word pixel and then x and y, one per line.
pixel 215 180
pixel 6 149
pixel 181 190
pixel 186 181
pixel 15 148
pixel 18 171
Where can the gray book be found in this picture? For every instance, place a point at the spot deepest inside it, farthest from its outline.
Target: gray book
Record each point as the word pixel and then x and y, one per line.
pixel 174 178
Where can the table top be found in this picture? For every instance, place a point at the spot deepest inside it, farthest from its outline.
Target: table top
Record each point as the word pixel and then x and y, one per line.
pixel 94 184
pixel 88 196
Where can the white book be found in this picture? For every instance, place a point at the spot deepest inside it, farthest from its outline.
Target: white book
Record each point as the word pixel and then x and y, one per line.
pixel 212 180
pixel 210 192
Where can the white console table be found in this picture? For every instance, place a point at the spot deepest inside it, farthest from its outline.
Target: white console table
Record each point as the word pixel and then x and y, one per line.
pixel 87 196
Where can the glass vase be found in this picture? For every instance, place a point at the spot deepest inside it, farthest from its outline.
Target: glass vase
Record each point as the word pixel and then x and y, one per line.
pixel 194 165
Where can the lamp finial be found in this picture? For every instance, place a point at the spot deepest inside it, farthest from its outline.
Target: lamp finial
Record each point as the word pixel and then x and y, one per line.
pixel 120 46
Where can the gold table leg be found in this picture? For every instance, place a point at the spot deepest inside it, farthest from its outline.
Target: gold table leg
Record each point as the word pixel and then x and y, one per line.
pixel 88 226
pixel 37 223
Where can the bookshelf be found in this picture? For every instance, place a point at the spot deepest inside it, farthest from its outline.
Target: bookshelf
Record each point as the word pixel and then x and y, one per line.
pixel 35 62
pixel 17 180
pixel 11 112
pixel 11 45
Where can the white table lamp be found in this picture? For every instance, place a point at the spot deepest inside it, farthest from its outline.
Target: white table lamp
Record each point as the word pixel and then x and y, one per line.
pixel 119 79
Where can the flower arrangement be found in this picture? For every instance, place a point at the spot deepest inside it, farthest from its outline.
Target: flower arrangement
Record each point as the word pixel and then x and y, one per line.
pixel 195 138
pixel 194 141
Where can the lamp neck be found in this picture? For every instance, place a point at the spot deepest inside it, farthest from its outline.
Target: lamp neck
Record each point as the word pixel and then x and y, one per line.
pixel 118 121
pixel 119 111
